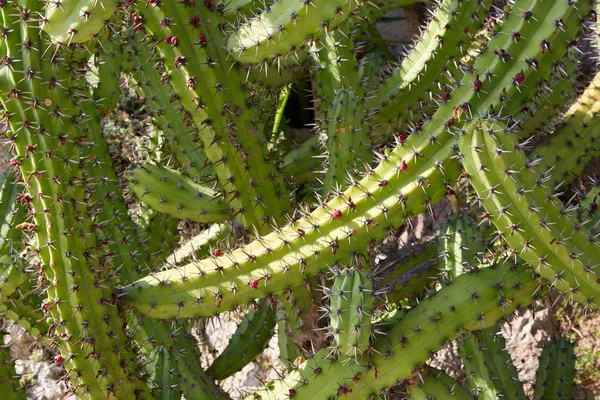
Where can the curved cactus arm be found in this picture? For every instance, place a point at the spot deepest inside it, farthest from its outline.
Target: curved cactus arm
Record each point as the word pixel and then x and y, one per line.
pixel 249 340
pixel 200 246
pixel 287 325
pixel 303 160
pixel 351 306
pixel 213 91
pixel 285 26
pixel 407 274
pixel 529 219
pixel 575 141
pixel 488 367
pixel 471 302
pixel 408 181
pixel 460 246
pixel 436 384
pixel 167 191
pixel 432 68
pixel 555 377
pixel 77 21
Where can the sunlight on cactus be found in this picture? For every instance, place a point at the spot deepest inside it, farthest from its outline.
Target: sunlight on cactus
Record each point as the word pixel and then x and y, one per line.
pixel 118 247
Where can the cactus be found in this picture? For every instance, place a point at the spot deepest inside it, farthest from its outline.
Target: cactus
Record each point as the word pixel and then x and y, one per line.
pixel 249 340
pixel 9 382
pixel 88 269
pixel 556 373
pixel 437 384
pixel 562 251
pixel 489 369
pixel 169 192
pixel 351 300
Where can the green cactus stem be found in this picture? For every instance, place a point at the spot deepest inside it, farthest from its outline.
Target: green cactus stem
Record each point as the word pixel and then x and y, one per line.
pixel 436 384
pixel 471 302
pixel 77 21
pixel 431 69
pixel 301 162
pixel 488 367
pixel 348 142
pixel 249 340
pixel 555 378
pixel 407 274
pixel 460 246
pixel 351 306
pixel 47 142
pixel 164 377
pixel 201 245
pixel 169 192
pixel 529 218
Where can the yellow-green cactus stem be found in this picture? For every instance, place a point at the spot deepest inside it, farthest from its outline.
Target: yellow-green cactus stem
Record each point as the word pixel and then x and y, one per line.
pixel 77 21
pixel 169 192
pixel 436 384
pixel 460 246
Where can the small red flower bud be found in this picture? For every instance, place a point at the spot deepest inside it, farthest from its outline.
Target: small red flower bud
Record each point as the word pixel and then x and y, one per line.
pixel 336 214
pixel 217 252
pixel 253 283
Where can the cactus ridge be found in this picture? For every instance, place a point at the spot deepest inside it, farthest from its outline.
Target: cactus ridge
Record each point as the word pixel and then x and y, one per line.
pixel 167 191
pixel 527 215
pixel 163 375
pixel 411 340
pixel 460 246
pixel 489 369
pixel 249 340
pixel 555 377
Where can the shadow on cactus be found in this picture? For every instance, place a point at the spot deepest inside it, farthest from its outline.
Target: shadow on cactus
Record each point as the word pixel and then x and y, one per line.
pixel 233 210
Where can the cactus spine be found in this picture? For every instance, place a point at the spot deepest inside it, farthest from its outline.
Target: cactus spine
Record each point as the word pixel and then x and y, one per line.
pixel 460 246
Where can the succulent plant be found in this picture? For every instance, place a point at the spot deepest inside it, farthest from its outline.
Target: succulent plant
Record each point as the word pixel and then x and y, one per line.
pixel 221 205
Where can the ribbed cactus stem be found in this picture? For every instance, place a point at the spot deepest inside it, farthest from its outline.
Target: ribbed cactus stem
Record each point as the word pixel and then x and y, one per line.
pixel 529 218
